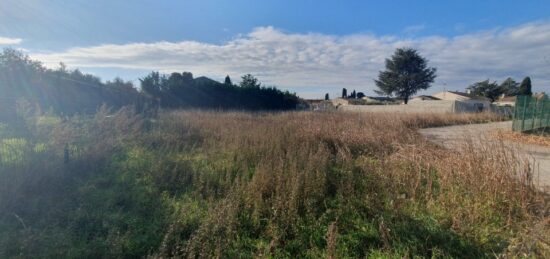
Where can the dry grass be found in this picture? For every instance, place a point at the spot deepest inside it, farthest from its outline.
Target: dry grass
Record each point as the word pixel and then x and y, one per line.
pixel 303 184
pixel 534 139
pixel 294 163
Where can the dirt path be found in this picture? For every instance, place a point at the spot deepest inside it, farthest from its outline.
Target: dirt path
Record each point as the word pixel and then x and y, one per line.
pixel 449 136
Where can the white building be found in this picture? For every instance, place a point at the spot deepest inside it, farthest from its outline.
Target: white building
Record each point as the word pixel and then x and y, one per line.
pixel 424 98
pixel 465 102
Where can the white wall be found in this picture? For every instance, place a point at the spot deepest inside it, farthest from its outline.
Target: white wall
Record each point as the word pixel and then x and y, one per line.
pixel 441 106
pixel 412 107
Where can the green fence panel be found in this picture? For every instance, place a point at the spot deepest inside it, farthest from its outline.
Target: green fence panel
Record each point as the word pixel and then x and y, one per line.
pixel 531 113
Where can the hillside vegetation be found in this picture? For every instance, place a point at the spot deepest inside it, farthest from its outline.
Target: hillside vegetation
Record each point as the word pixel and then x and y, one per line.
pixel 297 184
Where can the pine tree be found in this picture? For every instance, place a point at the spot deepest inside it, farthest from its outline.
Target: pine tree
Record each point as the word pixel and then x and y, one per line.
pixel 326 97
pixel 406 73
pixel 344 93
pixel 486 89
pixel 509 87
pixel 249 81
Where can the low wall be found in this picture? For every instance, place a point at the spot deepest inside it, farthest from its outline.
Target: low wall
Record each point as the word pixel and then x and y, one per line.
pixel 411 107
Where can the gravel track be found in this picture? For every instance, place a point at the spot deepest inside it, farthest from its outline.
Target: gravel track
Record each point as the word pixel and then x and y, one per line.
pixel 451 135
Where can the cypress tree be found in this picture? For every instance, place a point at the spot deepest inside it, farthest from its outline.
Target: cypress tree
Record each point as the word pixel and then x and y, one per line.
pixel 525 87
pixel 228 80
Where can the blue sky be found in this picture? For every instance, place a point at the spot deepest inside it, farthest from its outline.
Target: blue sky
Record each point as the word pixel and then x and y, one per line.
pixel 310 47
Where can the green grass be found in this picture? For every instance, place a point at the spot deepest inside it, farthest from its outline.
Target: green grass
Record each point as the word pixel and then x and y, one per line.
pixel 289 185
pixel 12 150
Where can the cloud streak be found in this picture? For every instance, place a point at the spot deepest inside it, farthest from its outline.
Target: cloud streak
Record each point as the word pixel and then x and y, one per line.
pixel 311 61
pixel 10 41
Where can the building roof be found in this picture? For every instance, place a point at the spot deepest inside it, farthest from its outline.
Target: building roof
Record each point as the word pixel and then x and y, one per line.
pixel 426 97
pixel 507 99
pixel 465 95
pixel 540 96
pixel 314 100
pixel 380 98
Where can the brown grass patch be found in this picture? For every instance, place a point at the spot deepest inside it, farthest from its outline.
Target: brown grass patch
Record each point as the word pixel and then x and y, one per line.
pixel 523 138
pixel 294 184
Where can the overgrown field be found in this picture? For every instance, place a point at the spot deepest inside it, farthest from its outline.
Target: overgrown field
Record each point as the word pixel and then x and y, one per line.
pixel 298 184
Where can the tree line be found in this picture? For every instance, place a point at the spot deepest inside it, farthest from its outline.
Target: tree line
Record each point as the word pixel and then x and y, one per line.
pixel 181 90
pixel 67 92
pixel 60 90
pixel 508 87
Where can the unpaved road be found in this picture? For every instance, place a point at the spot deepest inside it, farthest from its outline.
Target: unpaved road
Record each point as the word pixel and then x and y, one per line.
pixel 449 136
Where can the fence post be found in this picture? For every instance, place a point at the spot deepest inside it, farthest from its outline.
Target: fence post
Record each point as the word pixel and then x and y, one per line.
pixel 541 112
pixel 515 115
pixel 535 113
pixel 545 114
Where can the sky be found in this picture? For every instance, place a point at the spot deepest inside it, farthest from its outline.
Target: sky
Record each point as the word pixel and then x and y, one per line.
pixel 307 47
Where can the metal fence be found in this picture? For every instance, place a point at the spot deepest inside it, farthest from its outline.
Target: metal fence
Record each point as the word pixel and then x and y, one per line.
pixel 531 113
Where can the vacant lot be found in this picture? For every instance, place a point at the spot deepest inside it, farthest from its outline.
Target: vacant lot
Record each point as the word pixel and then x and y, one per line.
pixel 207 184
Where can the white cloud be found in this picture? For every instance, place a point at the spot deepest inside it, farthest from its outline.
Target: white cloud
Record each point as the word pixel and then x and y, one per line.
pixel 414 29
pixel 312 62
pixel 9 41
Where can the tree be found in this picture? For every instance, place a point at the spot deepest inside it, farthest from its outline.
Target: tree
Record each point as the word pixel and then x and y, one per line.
pixel 486 89
pixel 353 95
pixel 525 87
pixel 509 87
pixel 249 81
pixel 326 97
pixel 228 80
pixel 151 84
pixel 406 73
pixel 344 93
pixel 360 95
pixel 59 90
pixel 120 84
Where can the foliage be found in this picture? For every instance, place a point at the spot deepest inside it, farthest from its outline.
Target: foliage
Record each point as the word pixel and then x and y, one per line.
pixel 406 73
pixel 525 87
pixel 249 81
pixel 227 184
pixel 69 92
pixel 181 90
pixel 509 87
pixel 486 89
pixel 227 81
pixel 62 91
pixel 327 97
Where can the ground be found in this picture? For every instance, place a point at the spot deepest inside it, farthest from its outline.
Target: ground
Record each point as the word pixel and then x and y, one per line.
pixel 449 136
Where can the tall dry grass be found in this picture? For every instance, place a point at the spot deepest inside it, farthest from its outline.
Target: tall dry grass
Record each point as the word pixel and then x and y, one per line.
pixel 296 184
pixel 284 171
